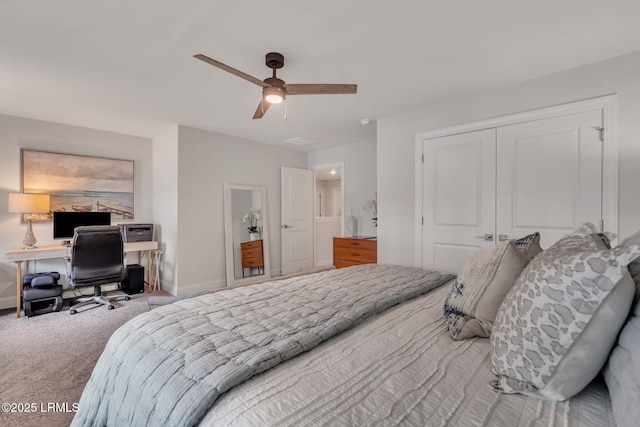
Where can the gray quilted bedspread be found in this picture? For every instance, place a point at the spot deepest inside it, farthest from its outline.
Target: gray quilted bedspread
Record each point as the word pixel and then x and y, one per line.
pixel 168 366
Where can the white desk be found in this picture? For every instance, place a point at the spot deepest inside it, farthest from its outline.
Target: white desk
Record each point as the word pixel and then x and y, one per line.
pixel 19 255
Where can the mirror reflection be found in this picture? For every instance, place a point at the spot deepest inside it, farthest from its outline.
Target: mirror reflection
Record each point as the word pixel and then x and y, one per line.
pixel 245 232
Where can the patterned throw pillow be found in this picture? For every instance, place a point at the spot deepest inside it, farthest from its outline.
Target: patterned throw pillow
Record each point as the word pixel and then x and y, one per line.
pixel 556 326
pixel 481 285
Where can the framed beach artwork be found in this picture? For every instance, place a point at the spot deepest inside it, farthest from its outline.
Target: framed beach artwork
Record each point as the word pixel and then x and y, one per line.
pixel 79 183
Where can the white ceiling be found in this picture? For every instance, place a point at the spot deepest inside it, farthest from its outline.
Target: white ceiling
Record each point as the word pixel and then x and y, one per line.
pixel 127 66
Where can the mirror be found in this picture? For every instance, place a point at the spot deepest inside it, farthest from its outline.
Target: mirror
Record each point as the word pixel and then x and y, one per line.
pixel 246 233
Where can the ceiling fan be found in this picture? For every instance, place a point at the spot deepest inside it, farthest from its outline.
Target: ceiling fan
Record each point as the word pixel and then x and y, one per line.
pixel 274 90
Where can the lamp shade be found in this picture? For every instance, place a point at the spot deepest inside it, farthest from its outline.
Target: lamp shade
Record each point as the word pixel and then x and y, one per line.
pixel 273 94
pixel 28 203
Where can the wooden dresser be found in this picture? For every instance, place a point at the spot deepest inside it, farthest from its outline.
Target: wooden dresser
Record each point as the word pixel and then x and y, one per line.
pixel 252 256
pixel 348 251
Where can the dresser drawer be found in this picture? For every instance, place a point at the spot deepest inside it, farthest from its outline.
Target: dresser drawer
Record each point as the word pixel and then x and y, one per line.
pixel 249 253
pixel 255 244
pixel 357 254
pixel 348 252
pixel 368 244
pixel 252 262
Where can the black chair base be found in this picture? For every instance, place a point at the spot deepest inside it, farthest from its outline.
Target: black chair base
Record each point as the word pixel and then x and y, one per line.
pixel 97 298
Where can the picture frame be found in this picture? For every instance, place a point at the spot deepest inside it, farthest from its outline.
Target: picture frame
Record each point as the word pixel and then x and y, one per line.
pixel 80 183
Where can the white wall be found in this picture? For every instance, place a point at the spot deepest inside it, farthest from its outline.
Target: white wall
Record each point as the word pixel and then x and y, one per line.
pixel 17 133
pixel 396 141
pixel 205 161
pixel 165 203
pixel 325 229
pixel 179 180
pixel 359 177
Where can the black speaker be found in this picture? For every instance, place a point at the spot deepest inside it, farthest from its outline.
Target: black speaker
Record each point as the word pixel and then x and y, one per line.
pixel 133 282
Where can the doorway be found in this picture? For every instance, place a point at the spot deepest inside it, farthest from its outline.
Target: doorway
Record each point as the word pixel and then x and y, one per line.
pixel 327 220
pixel 307 230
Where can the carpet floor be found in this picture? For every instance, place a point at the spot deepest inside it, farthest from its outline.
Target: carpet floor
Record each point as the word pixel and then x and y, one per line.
pixel 46 360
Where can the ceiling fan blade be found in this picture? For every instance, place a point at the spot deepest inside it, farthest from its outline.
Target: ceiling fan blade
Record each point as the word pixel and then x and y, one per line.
pixel 320 89
pixel 262 108
pixel 231 70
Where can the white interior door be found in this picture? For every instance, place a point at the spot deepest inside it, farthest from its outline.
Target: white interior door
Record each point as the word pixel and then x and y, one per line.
pixel 459 198
pixel 549 176
pixel 297 219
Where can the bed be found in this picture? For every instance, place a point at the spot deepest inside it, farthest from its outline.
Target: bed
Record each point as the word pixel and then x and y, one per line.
pixel 370 348
pixel 400 368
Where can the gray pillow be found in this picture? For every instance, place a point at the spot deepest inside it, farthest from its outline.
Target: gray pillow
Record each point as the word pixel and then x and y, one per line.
pixel 622 371
pixel 556 326
pixel 476 294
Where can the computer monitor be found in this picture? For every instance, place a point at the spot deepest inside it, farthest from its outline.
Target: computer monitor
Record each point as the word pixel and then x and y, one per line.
pixel 65 222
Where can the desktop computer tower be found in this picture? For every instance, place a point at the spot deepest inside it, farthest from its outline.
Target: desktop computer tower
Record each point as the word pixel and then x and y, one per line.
pixel 133 282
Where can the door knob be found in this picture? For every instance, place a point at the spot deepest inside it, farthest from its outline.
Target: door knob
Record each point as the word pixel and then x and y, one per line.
pixel 285 226
pixel 503 237
pixel 487 237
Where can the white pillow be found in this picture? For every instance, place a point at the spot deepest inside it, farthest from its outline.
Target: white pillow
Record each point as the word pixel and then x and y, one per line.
pixel 481 285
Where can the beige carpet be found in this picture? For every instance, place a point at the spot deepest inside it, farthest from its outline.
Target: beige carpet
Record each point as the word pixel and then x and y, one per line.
pixel 46 360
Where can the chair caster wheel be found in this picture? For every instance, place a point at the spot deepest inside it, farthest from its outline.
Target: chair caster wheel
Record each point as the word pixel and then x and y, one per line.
pixel 72 311
pixel 127 298
pixel 110 307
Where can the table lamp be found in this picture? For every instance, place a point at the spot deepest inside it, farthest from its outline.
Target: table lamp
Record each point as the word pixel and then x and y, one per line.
pixel 29 204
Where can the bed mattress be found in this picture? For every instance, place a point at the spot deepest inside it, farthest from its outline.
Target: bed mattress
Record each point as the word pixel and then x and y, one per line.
pixel 399 368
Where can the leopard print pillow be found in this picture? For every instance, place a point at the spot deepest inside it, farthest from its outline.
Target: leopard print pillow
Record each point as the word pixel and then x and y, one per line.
pixel 554 330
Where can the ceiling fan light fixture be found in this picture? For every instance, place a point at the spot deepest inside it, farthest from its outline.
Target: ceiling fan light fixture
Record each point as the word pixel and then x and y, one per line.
pixel 275 90
pixel 273 94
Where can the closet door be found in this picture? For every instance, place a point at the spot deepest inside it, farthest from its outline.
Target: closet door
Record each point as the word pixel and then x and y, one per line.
pixel 459 198
pixel 549 176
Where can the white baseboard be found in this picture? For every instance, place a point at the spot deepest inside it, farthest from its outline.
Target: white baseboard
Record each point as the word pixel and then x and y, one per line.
pixel 324 263
pixel 7 302
pixel 196 287
pixel 7 289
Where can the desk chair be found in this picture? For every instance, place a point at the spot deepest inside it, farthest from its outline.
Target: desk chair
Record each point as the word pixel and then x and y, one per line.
pixel 97 258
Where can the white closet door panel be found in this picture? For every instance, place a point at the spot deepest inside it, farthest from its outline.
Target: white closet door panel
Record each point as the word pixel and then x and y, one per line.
pixel 451 258
pixel 458 181
pixel 459 198
pixel 549 176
